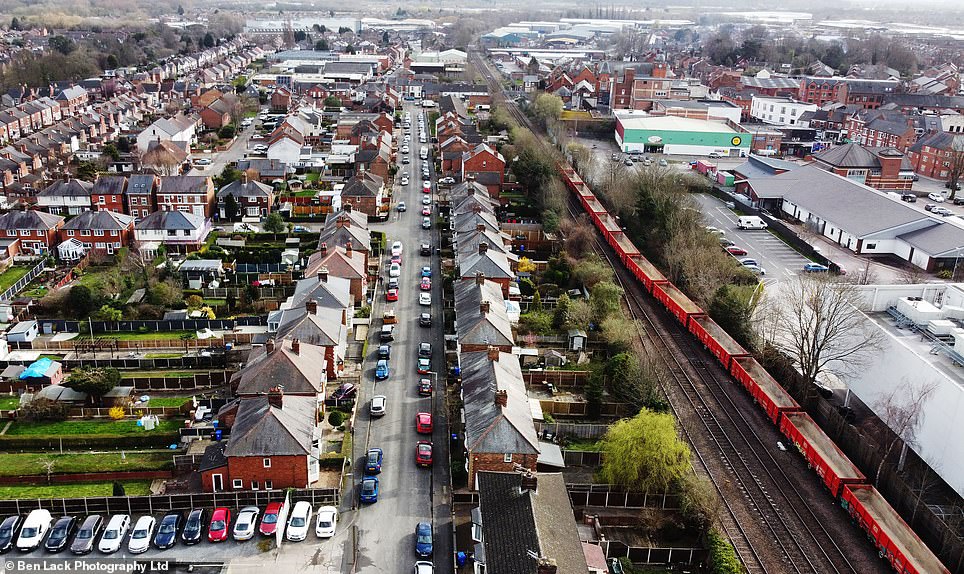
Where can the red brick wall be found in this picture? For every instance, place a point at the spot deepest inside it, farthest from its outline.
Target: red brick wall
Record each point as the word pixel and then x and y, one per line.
pixel 496 462
pixel 285 472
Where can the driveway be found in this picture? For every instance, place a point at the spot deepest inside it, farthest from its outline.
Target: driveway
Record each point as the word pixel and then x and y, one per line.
pixel 408 494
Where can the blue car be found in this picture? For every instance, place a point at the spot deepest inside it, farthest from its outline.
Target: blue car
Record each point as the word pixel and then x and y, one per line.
pixel 373 465
pixel 426 271
pixel 815 268
pixel 423 539
pixel 369 489
pixel 381 370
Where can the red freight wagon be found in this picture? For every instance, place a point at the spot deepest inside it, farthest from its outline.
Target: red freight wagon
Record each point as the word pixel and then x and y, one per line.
pixel 716 339
pixel 612 231
pixel 832 466
pixel 678 304
pixel 625 248
pixel 763 387
pixel 895 540
pixel 645 271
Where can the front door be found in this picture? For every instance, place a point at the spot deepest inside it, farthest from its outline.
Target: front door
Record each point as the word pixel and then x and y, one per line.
pixel 217 482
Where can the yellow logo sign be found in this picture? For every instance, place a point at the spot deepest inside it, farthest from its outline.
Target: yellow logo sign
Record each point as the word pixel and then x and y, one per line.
pixel 737 140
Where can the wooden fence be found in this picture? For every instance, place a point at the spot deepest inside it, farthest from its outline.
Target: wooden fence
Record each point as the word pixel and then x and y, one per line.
pixel 603 495
pixel 591 458
pixel 558 379
pixel 578 430
pixel 581 408
pixel 156 504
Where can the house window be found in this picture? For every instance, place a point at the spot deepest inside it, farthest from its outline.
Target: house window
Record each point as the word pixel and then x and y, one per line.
pixel 254 485
pixel 171 232
pixel 113 233
pixel 99 232
pixel 70 233
pixel 871 246
pixel 238 483
pixel 25 232
pixel 507 457
pixel 266 462
pixel 268 485
pixel 101 199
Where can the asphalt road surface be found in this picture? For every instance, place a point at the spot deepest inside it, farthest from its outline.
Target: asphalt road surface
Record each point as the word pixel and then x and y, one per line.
pixel 408 494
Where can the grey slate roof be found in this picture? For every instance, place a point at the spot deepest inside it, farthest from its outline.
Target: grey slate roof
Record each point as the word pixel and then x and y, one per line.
pixel 263 430
pixel 250 188
pixel 167 220
pixel 489 427
pixel 68 188
pixel 323 328
pixel 757 166
pixel 141 184
pixel 301 373
pixel 474 327
pixel 516 522
pixel 854 155
pixel 107 220
pixel 941 240
pixel 29 220
pixel 492 264
pixel 110 184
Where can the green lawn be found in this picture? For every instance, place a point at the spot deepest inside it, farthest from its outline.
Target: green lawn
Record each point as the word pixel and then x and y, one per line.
pixel 77 490
pixel 215 302
pixel 9 403
pixel 168 374
pixel 11 276
pixel 86 427
pixel 584 445
pixel 162 355
pixel 167 401
pixel 312 177
pixel 130 336
pixel 26 464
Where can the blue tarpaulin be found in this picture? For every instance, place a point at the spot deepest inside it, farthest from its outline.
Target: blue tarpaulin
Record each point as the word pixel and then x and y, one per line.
pixel 37 369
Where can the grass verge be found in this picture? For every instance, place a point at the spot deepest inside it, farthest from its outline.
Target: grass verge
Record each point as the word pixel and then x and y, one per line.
pixel 86 427
pixel 33 463
pixel 77 490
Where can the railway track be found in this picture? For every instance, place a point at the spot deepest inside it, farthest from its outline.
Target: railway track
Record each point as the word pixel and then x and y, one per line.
pixel 798 536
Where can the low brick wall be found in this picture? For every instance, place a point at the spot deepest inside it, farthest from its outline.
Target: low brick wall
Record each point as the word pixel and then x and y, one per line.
pixel 88 477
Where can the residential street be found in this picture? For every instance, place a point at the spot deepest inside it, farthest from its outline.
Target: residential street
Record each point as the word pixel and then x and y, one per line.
pixel 408 494
pixel 218 160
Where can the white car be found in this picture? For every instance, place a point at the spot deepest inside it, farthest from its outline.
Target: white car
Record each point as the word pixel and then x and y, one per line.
pixel 404 181
pixel 34 529
pixel 423 567
pixel 447 180
pixel 245 523
pixel 394 270
pixel 426 200
pixel 405 149
pixel 114 533
pixel 327 520
pixel 299 521
pixel 141 536
pixel 424 298
pixel 377 409
pixel 397 248
pixel 936 197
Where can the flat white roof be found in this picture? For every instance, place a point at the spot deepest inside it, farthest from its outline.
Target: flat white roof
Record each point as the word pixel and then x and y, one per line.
pixel 673 123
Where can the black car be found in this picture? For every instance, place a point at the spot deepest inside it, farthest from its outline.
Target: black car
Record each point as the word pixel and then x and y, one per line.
pixel 60 533
pixel 194 527
pixel 909 198
pixel 425 249
pixel 424 349
pixel 86 535
pixel 8 532
pixel 167 530
pixel 387 334
pixel 344 391
pixel 384 352
pixel 425 320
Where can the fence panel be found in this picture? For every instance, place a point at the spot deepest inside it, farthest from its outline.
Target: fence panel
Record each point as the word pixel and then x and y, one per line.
pixel 10 292
pixel 558 379
pixel 578 430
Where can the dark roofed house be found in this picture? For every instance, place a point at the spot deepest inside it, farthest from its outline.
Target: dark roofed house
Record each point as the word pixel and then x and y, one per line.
pixel 37 230
pixel 880 168
pixel 527 525
pixel 250 199
pixel 66 197
pixel 139 196
pixel 300 367
pixel 101 232
pixel 177 231
pixel 481 314
pixel 108 193
pixel 364 193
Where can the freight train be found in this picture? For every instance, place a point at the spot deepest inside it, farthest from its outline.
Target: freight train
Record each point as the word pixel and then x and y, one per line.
pixel 895 541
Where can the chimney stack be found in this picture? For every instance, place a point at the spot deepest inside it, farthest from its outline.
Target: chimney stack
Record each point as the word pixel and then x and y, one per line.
pixel 276 396
pixel 479 278
pixel 323 249
pixel 493 354
pixel 347 208
pixel 529 481
pixel 501 397
pixel 483 247
pixel 311 306
pixel 480 227
pixel 546 566
pixel 244 178
pixel 484 307
pixel 348 249
pixel 296 346
pixel 269 346
pixel 323 275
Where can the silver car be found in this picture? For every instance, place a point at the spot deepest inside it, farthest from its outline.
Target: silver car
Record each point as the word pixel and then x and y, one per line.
pixel 377 409
pixel 245 524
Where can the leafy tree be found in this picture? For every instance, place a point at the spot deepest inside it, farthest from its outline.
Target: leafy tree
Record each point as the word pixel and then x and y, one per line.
pixel 228 174
pixel 226 132
pixel 300 35
pixel 536 304
pixel 15 24
pixel 252 293
pixel 547 107
pixel 731 310
pixel 180 10
pixel 594 395
pixel 531 168
pixel 231 207
pixel 231 301
pixel 332 102
pixel 319 28
pixel 344 30
pixel 645 453
pixel 80 300
pixel 321 45
pixel 273 223
pixel 208 40
pixel 62 44
pixel 42 409
pixel 385 38
pixel 118 489
pixel 350 49
pixel 604 298
pixel 108 313
pixel 194 302
pixel 86 171
pixel 560 315
pixel 110 150
pixel 96 382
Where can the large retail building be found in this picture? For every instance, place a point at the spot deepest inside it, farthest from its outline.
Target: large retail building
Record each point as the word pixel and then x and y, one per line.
pixel 671 135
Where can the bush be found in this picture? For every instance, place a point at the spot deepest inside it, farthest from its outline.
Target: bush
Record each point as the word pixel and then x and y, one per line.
pixel 227 132
pixel 116 413
pixel 723 559
pixel 336 418
pixel 118 489
pixel 45 410
pixel 538 323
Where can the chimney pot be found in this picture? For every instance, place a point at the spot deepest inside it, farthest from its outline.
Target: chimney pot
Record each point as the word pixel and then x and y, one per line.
pixel 483 247
pixel 484 307
pixel 244 178
pixel 296 346
pixel 480 227
pixel 311 306
pixel 347 208
pixel 479 278
pixel 323 275
pixel 323 248
pixel 276 396
pixel 348 248
pixel 529 481
pixel 269 346
pixel 546 566
pixel 494 356
pixel 501 397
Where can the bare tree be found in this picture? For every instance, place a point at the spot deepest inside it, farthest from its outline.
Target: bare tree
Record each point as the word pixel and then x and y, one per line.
pixel 47 464
pixel 901 410
pixel 863 276
pixel 161 161
pixel 821 322
pixel 956 168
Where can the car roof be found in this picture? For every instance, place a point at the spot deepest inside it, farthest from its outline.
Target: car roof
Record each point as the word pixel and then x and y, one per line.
pixel 219 512
pixel 424 416
pixel 144 520
pixel 301 506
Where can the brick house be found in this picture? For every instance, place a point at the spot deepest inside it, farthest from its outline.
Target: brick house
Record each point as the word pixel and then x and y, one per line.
pixel 177 231
pixel 486 166
pixel 933 155
pixel 491 264
pixel 451 150
pixel 640 84
pixel 281 100
pixel 101 232
pixel 344 227
pixel 325 328
pixel 37 230
pixel 251 198
pixel 344 262
pixel 499 430
pixel 186 193
pixel 482 318
pixel 299 367
pixel 364 193
pixel 108 193
pixel 217 115
pixel 882 128
pixel 272 445
pixel 205 98
pixel 374 159
pixel 880 168
pixel 822 90
pixel 139 197
pixel 66 197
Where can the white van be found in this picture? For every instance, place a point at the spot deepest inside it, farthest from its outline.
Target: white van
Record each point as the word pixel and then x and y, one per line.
pixel 750 222
pixel 34 529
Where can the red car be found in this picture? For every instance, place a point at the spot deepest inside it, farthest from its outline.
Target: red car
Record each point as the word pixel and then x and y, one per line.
pixel 425 387
pixel 396 259
pixel 426 284
pixel 734 250
pixel 391 295
pixel 220 521
pixel 423 423
pixel 269 522
pixel 426 210
pixel 423 453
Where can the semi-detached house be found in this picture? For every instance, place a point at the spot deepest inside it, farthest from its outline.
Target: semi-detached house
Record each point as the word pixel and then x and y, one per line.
pixel 37 230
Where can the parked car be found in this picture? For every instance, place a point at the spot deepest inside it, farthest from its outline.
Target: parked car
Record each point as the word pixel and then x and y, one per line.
pixel 424 365
pixel 423 539
pixel 114 533
pixel 426 271
pixel 426 223
pixel 8 532
pixel 391 295
pixel 958 201
pixel 909 198
pixel 936 197
pixel 425 284
pixel 734 250
pixel 377 408
pixel 299 521
pixel 394 270
pixel 747 261
pixel 218 527
pixel 756 269
pixel 327 522
pixel 245 524
pixel 344 391
pixel 167 530
pixel 369 489
pixel 425 387
pixel 396 259
pixel 397 248
pixel 724 242
pixel 83 543
pixel 715 155
pixel 663 163
pixel 447 180
pixel 957 187
pixel 929 207
pixel 401 204
pixel 423 453
pixel 815 268
pixel 60 533
pixel 942 211
pixel 34 529
pixel 140 540
pixel 425 249
pixel 424 298
pixel 384 351
pixel 387 334
pixel 423 567
pixel 373 461
pixel 427 210
pixel 269 520
pixel 426 200
pixel 381 370
pixel 425 320
pixel 423 423
pixel 424 349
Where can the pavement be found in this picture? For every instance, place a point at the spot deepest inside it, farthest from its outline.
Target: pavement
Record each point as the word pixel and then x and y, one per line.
pixel 407 494
pixel 235 151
